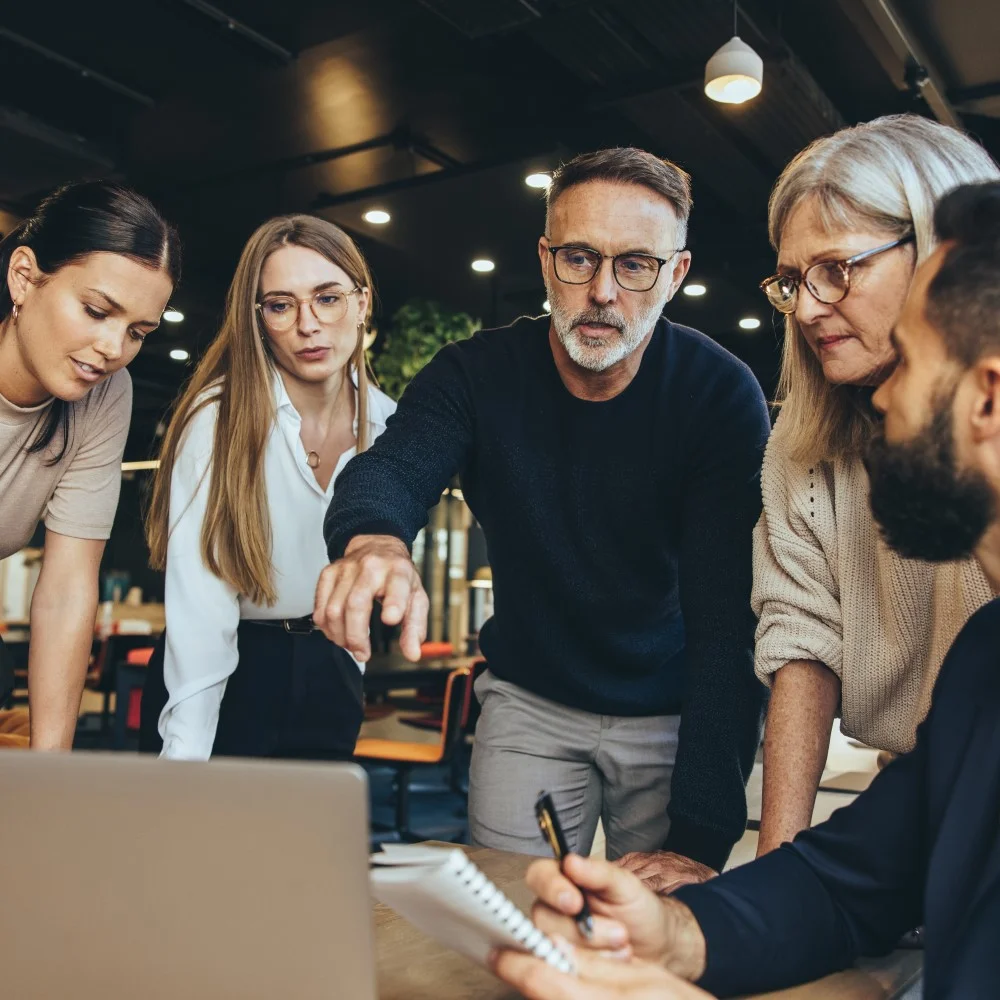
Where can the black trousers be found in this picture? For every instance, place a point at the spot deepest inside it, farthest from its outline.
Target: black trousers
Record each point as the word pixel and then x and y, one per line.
pixel 293 696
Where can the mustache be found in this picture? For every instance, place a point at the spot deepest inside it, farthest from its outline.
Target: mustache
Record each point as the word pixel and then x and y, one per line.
pixel 600 317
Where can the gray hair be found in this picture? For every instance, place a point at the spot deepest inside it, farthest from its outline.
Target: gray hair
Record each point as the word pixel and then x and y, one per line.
pixel 889 174
pixel 627 165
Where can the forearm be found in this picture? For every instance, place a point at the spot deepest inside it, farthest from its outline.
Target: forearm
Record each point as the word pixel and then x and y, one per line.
pixel 803 705
pixel 62 631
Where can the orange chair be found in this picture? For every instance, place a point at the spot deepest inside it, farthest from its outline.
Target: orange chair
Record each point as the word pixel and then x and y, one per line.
pixel 15 729
pixel 431 650
pixel 403 756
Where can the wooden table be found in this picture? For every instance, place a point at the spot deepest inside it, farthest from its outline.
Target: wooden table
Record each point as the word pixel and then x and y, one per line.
pixel 413 967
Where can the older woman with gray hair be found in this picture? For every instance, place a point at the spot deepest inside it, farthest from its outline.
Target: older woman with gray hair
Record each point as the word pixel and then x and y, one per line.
pixel 846 626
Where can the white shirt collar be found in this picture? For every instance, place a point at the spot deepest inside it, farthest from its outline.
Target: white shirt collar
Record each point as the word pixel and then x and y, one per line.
pixel 380 406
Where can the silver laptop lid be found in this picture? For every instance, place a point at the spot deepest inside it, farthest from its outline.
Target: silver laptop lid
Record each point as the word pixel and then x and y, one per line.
pixel 125 876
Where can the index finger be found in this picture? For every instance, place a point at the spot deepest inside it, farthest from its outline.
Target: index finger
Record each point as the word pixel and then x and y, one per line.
pixel 358 609
pixel 398 588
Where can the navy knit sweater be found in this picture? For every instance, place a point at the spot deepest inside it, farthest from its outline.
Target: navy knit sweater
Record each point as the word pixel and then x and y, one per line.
pixel 619 535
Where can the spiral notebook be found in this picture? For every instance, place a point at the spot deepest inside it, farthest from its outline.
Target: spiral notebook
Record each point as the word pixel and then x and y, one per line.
pixel 445 895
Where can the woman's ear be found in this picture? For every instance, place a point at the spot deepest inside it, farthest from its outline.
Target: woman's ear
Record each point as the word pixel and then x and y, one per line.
pixel 364 301
pixel 22 272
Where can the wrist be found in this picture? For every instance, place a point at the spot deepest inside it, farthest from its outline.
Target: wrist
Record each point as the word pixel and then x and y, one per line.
pixel 684 943
pixel 382 541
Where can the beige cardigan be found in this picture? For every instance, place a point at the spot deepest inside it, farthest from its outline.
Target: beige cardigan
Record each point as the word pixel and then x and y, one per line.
pixel 827 588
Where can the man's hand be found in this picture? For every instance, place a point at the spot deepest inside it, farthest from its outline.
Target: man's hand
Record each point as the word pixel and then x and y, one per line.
pixel 598 977
pixel 373 566
pixel 626 913
pixel 664 871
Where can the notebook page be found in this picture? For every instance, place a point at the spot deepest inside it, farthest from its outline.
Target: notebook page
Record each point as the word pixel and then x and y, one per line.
pixel 452 901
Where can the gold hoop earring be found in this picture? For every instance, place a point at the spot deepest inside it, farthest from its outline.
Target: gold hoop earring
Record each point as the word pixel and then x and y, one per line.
pixel 14 311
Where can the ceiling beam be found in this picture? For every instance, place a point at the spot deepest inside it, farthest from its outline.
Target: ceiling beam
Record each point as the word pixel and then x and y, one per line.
pixel 399 138
pixel 13 120
pixel 919 71
pixel 980 92
pixel 326 200
pixel 243 30
pixel 71 64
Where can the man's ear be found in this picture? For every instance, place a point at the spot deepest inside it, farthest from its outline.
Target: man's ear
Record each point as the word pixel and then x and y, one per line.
pixel 985 416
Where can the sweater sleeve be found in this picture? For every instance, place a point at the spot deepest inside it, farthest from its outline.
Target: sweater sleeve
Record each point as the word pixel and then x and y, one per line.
pixel 846 888
pixel 796 594
pixel 389 489
pixel 723 702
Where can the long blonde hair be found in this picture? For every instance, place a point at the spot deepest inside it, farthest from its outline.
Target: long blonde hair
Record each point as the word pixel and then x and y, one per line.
pixel 888 173
pixel 237 373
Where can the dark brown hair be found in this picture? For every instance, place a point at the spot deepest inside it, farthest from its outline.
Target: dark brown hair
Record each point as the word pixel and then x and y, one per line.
pixel 963 298
pixel 72 223
pixel 627 165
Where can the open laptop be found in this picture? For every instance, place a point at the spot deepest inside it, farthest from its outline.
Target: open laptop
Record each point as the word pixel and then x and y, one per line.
pixel 125 877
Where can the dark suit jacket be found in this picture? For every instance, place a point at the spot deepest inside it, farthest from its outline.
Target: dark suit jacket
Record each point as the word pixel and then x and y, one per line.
pixel 920 846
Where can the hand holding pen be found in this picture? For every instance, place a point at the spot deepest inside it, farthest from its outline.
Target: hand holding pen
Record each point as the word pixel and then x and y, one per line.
pixel 628 919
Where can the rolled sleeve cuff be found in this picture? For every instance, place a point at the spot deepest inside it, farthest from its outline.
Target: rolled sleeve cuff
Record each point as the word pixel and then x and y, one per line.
pixel 777 646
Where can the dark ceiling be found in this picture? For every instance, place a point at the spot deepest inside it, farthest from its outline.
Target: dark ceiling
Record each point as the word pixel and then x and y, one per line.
pixel 231 112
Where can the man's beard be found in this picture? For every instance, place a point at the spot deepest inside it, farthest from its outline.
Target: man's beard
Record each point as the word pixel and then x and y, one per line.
pixel 599 354
pixel 926 507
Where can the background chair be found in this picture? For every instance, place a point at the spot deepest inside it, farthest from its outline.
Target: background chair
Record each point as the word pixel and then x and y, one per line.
pixel 103 676
pixel 404 756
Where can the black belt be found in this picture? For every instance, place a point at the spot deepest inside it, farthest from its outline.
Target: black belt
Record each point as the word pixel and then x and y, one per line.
pixel 296 626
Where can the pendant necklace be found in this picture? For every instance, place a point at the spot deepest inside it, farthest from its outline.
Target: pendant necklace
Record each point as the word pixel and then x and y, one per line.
pixel 312 457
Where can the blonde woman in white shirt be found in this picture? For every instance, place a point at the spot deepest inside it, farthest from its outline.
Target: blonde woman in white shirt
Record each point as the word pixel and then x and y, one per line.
pixel 276 408
pixel 847 627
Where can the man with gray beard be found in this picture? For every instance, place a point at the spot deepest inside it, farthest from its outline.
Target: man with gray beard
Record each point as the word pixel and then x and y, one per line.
pixel 612 459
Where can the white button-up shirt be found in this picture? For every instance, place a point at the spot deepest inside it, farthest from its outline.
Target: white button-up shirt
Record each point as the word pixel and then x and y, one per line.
pixel 202 611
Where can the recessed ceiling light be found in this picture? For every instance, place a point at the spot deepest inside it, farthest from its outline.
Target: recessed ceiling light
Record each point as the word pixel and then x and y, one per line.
pixel 377 216
pixel 749 323
pixel 179 354
pixel 695 290
pixel 547 306
pixel 538 180
pixel 172 315
pixel 483 265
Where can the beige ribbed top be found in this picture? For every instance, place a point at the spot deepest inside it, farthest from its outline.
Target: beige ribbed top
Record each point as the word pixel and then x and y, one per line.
pixel 77 495
pixel 827 588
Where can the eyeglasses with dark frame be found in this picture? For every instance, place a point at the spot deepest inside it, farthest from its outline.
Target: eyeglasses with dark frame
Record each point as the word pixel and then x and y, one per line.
pixel 281 312
pixel 828 281
pixel 635 272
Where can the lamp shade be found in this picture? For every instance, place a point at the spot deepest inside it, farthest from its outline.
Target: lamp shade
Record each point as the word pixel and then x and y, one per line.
pixel 735 73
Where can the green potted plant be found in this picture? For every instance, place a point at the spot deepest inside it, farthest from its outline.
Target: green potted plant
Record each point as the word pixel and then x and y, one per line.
pixel 417 331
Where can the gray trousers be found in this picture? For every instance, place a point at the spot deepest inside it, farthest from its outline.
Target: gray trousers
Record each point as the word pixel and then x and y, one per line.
pixel 608 767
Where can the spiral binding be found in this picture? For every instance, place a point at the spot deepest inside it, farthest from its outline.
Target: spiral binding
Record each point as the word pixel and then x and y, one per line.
pixel 512 919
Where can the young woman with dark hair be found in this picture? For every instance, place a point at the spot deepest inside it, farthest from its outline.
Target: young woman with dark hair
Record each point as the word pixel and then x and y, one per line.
pixel 84 281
